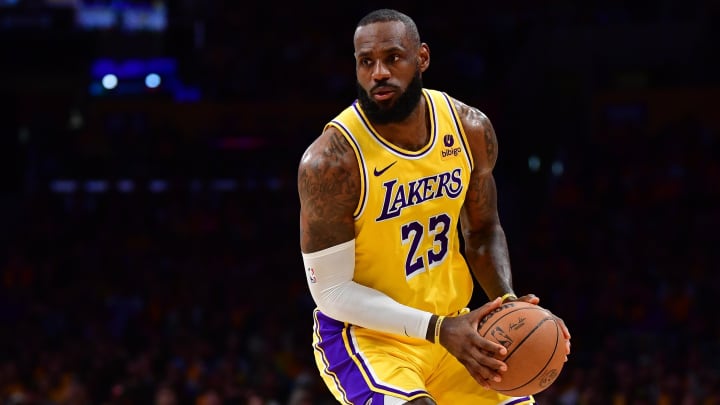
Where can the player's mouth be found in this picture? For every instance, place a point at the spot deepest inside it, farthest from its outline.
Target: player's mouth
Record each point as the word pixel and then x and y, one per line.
pixel 383 93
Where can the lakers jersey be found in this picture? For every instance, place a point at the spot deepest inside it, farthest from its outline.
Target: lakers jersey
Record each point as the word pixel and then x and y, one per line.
pixel 406 241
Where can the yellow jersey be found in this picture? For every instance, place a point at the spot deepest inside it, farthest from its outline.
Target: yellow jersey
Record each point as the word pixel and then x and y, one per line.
pixel 406 223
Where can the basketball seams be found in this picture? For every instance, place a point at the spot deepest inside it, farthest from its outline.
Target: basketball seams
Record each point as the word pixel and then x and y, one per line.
pixel 484 320
pixel 538 325
pixel 557 344
pixel 541 377
pixel 548 361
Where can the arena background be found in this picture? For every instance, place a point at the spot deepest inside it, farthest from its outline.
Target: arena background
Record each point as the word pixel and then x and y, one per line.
pixel 149 250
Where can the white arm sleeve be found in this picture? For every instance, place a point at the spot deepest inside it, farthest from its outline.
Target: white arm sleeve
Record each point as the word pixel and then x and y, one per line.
pixel 330 278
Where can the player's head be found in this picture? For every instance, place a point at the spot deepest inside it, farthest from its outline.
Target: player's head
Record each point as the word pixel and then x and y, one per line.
pixel 389 61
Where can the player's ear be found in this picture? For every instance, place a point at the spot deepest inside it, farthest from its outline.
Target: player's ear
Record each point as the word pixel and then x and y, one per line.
pixel 423 57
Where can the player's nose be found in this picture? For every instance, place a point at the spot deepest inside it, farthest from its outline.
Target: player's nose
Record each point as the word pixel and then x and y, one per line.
pixel 380 72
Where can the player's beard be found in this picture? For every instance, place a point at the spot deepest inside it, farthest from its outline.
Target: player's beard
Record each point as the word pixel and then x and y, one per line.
pixel 397 112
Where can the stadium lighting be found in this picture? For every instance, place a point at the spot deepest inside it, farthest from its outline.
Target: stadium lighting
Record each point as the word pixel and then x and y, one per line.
pixel 109 81
pixel 152 80
pixel 534 163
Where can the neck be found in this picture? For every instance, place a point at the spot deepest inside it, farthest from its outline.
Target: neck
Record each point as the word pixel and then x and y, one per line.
pixel 412 133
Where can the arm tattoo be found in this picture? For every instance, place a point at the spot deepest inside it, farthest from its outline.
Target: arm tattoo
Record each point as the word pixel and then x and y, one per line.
pixel 338 146
pixel 482 195
pixel 490 142
pixel 328 194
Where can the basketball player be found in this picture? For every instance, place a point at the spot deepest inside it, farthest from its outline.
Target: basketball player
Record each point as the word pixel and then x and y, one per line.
pixel 382 190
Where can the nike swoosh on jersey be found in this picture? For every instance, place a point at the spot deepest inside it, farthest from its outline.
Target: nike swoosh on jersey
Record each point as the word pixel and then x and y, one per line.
pixel 377 172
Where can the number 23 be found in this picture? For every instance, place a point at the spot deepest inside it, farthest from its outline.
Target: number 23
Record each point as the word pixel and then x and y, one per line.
pixel 413 233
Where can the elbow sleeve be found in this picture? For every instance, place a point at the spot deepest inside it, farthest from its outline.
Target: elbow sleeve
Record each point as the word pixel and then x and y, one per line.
pixel 330 280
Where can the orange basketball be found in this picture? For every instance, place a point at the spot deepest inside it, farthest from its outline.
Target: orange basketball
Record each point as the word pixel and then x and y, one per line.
pixel 535 347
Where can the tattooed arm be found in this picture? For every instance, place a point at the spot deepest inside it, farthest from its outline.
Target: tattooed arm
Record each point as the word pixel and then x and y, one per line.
pixel 329 189
pixel 486 252
pixel 485 243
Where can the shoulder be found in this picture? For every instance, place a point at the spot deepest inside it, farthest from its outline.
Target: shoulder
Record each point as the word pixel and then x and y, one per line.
pixel 330 151
pixel 329 170
pixel 480 133
pixel 331 148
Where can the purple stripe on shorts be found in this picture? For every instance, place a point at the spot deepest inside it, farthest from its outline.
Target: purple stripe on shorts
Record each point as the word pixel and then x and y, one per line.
pixel 340 363
pixel 338 360
pixel 519 400
pixel 375 383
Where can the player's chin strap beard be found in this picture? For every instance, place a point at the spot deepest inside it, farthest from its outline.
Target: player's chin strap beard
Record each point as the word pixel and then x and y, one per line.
pixel 404 106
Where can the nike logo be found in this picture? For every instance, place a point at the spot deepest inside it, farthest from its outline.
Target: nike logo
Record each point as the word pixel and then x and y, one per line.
pixel 377 172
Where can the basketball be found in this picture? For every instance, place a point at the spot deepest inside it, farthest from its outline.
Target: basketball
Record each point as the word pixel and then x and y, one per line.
pixel 535 347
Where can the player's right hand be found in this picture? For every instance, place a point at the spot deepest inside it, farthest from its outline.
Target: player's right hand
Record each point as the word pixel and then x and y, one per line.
pixel 459 335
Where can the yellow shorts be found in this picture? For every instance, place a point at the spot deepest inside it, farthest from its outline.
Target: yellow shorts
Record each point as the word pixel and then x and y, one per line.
pixel 362 367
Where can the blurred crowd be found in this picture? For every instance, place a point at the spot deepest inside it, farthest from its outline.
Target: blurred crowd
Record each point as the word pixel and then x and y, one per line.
pixel 191 291
pixel 197 297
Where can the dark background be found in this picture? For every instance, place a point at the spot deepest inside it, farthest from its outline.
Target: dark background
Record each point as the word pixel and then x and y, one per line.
pixel 149 250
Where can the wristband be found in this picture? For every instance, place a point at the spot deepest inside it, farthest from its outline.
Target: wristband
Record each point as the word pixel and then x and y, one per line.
pixel 507 296
pixel 437 328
